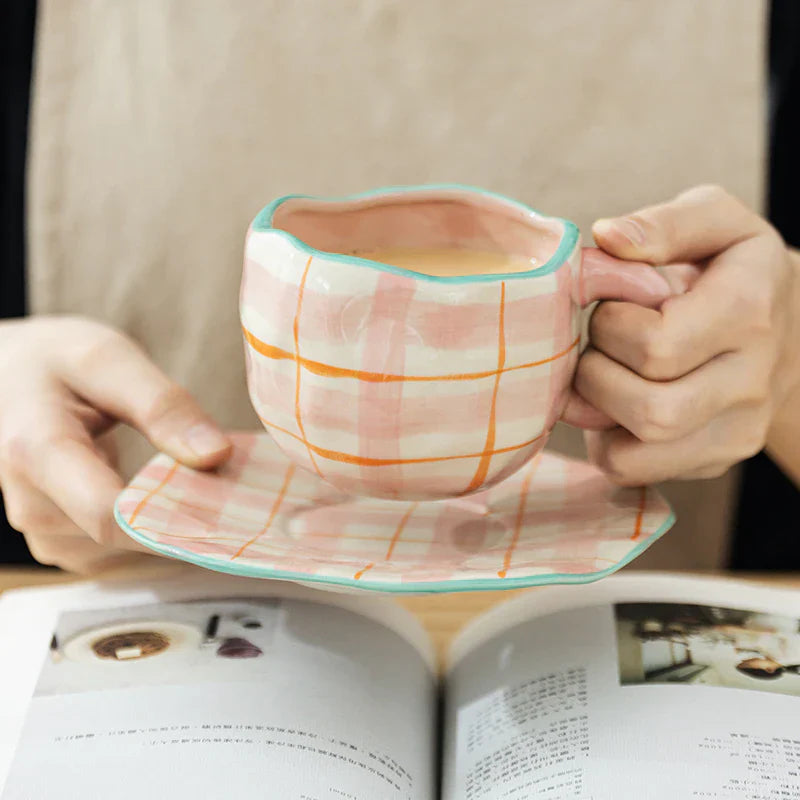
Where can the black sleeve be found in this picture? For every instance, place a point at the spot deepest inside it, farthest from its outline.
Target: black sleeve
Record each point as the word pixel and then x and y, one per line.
pixel 17 19
pixel 17 22
pixel 784 119
pixel 767 527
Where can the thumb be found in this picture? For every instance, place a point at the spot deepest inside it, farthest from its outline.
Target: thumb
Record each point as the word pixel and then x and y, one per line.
pixel 123 382
pixel 696 225
pixel 174 422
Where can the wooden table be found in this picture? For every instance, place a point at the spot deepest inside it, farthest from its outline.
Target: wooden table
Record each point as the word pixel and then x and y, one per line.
pixel 443 616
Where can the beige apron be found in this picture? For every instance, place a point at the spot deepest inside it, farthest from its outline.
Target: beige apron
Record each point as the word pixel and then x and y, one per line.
pixel 160 127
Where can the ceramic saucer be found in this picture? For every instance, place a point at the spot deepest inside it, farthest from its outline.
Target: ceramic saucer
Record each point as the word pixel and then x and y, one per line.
pixel 557 520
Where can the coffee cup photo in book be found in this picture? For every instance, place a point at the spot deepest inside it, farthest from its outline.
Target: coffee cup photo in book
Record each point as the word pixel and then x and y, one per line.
pixel 210 686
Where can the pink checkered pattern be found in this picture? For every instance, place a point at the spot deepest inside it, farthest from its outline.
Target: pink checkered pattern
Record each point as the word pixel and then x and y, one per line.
pixel 403 388
pixel 556 516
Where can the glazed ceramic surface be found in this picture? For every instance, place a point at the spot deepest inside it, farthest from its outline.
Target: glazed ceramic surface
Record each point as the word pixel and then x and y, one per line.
pixel 396 384
pixel 555 521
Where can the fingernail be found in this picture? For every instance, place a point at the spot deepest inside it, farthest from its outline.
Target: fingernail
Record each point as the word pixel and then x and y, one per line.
pixel 626 226
pixel 205 440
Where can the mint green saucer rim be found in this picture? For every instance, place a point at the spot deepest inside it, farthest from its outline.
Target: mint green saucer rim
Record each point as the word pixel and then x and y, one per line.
pixel 245 570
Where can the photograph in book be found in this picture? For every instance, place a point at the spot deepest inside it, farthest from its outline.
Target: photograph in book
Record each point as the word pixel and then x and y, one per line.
pixel 329 703
pixel 708 646
pixel 168 643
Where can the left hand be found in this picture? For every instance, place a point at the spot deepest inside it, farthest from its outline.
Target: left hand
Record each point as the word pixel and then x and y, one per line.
pixel 689 389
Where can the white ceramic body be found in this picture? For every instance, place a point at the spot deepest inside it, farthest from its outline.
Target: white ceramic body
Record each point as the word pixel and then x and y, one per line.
pixel 394 384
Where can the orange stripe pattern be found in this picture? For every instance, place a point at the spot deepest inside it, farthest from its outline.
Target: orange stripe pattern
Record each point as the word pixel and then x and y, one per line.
pixel 152 493
pixel 523 500
pixel 637 530
pixel 402 524
pixel 360 573
pixel 486 457
pixel 363 461
pixel 296 331
pixel 329 371
pixel 392 542
pixel 273 512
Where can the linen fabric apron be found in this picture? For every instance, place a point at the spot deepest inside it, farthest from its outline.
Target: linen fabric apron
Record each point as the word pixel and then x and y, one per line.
pixel 161 127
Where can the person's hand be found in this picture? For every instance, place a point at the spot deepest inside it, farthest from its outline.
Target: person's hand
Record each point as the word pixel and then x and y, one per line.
pixel 64 383
pixel 690 389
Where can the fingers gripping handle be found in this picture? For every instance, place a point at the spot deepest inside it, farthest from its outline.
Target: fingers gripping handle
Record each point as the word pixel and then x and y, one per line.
pixel 603 277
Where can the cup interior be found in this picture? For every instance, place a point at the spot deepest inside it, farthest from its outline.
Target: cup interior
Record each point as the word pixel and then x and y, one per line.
pixel 422 219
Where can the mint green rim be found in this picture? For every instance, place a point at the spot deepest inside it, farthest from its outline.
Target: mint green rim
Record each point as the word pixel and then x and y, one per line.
pixel 569 239
pixel 419 587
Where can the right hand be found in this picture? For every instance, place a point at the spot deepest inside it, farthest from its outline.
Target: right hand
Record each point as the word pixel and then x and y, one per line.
pixel 65 382
pixel 713 375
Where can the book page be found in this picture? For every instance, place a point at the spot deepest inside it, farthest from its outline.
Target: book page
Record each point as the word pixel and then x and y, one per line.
pixel 656 687
pixel 218 688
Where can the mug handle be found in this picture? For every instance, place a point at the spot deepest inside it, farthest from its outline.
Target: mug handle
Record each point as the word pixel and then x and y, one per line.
pixel 603 277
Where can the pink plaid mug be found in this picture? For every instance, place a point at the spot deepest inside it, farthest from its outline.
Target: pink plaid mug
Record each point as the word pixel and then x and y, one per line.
pixel 392 383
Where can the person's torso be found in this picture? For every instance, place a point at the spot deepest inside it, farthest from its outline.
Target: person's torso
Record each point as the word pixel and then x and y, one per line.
pixel 161 127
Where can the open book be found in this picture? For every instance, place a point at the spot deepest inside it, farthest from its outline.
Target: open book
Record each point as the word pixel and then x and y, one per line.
pixel 210 687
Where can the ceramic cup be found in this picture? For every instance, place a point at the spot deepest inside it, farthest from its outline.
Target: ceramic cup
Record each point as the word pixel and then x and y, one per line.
pixel 396 384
